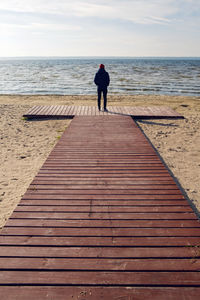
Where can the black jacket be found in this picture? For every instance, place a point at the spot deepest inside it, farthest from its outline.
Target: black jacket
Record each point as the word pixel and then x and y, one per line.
pixel 102 79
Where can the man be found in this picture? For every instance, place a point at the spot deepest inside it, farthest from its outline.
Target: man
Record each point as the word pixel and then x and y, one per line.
pixel 102 81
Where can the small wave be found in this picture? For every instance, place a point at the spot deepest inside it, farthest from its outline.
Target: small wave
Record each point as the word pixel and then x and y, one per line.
pixel 43 78
pixel 123 79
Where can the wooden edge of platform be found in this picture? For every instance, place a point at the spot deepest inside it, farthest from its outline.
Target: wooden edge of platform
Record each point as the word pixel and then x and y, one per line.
pixel 48 116
pixel 152 112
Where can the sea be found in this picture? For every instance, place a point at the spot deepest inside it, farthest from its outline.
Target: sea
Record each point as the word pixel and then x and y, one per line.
pixel 75 75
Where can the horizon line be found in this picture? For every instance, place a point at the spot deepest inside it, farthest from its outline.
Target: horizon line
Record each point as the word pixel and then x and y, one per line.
pixel 95 57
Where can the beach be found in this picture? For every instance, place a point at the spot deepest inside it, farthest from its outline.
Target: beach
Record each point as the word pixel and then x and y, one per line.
pixel 25 144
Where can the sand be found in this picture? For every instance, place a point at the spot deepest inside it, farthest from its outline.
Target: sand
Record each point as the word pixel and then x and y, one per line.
pixel 26 144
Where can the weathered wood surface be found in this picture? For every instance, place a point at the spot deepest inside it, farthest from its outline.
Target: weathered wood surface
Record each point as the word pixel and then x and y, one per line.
pixel 71 111
pixel 103 219
pixel 105 293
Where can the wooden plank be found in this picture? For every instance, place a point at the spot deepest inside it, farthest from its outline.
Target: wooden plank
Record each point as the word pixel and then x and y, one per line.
pixel 111 231
pixel 67 156
pixel 104 172
pixel 108 216
pixel 85 204
pixel 104 191
pixel 112 177
pixel 101 278
pixel 118 209
pixel 29 240
pixel 104 223
pixel 29 196
pixel 101 293
pixel 105 160
pixel 106 293
pixel 95 202
pixel 106 169
pixel 109 264
pixel 99 252
pixel 103 186
pixel 113 189
pixel 100 181
pixel 102 163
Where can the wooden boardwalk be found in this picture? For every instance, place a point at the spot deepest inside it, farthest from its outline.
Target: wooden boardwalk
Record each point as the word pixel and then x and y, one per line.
pixel 71 111
pixel 103 219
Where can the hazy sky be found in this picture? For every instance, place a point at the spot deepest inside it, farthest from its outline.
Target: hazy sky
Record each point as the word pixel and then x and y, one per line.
pixel 100 28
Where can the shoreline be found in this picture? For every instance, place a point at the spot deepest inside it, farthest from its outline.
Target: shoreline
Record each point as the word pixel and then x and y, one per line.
pixel 26 144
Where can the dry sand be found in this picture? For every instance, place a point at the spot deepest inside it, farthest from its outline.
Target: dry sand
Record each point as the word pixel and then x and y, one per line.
pixel 26 144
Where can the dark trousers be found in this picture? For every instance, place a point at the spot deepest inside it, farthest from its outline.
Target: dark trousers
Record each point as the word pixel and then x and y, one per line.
pixel 100 91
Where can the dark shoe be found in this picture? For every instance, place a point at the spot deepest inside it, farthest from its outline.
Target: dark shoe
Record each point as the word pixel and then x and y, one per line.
pixel 105 109
pixel 99 108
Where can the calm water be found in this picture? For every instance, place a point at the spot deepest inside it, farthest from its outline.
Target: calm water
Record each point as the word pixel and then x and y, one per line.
pixel 73 76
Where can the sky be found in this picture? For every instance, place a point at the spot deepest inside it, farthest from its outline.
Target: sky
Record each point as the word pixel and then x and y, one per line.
pixel 99 28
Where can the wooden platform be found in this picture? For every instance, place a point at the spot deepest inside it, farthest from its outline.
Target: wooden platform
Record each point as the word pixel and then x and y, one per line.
pixel 71 111
pixel 103 219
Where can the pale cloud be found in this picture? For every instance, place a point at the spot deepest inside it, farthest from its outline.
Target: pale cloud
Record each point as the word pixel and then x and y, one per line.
pixel 42 26
pixel 143 11
pixel 55 27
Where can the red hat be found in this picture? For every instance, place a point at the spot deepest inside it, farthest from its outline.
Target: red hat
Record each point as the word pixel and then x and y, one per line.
pixel 101 66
